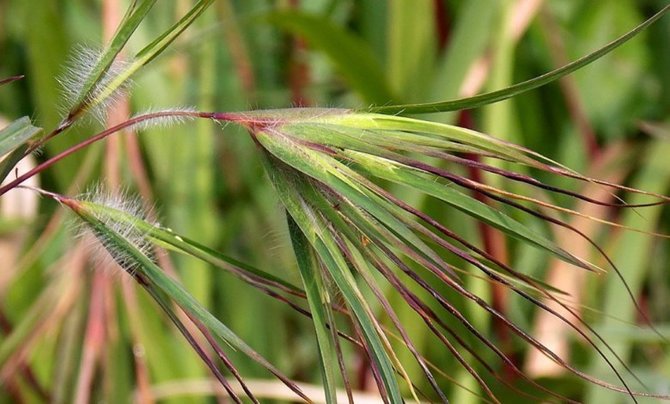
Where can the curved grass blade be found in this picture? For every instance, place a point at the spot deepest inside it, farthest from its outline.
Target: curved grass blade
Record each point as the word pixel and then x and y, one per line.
pixel 520 88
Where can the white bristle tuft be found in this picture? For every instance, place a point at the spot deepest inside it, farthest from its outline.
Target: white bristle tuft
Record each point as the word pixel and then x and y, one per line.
pixel 79 68
pixel 164 118
pixel 104 252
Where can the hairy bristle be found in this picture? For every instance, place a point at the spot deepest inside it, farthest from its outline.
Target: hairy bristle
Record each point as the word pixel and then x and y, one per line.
pixel 79 68
pixel 105 249
pixel 164 118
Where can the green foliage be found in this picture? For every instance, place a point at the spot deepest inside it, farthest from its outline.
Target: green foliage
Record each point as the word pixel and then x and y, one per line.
pixel 420 258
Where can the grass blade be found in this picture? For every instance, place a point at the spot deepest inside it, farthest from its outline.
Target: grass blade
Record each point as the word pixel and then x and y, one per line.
pixel 14 139
pixel 318 298
pixel 339 272
pixel 520 88
pixel 16 134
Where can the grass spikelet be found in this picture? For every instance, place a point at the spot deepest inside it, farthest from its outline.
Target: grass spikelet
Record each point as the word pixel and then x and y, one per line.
pixel 340 157
pixel 100 204
pixel 78 70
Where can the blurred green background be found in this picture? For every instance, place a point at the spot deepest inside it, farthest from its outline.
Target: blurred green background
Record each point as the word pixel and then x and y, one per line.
pixel 72 334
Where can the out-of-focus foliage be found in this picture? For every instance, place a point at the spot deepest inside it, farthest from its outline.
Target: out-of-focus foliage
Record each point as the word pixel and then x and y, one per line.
pixel 70 333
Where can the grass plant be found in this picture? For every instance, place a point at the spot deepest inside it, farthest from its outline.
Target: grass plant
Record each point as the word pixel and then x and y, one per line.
pixel 401 247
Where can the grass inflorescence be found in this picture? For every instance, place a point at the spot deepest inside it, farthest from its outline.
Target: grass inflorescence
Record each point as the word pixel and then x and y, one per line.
pixel 420 245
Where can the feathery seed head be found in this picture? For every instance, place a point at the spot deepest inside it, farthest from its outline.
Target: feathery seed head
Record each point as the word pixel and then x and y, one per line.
pixel 327 167
pixel 111 217
pixel 79 69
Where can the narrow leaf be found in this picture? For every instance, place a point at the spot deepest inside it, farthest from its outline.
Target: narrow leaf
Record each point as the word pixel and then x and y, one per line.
pixel 520 88
pixel 330 256
pixel 318 299
pixel 17 133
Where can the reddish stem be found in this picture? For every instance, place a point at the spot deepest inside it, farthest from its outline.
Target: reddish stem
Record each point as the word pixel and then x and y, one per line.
pixel 10 79
pixel 441 24
pixel 110 131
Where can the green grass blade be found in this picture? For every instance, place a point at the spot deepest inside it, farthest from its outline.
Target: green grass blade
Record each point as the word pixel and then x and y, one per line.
pixel 14 139
pixel 151 51
pixel 520 88
pixel 334 262
pixel 343 278
pixel 17 133
pixel 318 299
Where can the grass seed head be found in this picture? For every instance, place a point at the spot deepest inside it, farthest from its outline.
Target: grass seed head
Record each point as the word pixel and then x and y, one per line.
pixel 79 68
pixel 108 215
